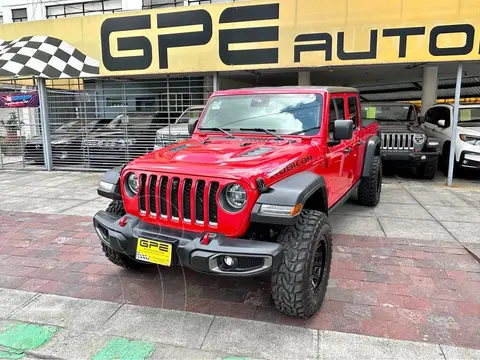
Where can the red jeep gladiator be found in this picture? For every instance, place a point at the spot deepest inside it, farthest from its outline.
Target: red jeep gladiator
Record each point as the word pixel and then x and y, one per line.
pixel 250 192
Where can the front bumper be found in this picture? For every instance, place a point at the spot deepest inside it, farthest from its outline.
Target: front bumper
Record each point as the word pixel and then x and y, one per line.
pixel 410 158
pixel 470 160
pixel 252 257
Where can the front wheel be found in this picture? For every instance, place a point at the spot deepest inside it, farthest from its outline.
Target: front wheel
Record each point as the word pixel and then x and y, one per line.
pixel 118 258
pixel 300 282
pixel 427 170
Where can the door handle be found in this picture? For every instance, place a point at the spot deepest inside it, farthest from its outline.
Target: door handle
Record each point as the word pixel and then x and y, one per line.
pixel 347 150
pixel 358 143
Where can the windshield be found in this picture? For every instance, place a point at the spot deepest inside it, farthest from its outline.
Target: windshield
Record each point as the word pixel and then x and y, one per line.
pixel 469 116
pixel 69 126
pixel 140 121
pixel 283 113
pixel 189 114
pixel 394 112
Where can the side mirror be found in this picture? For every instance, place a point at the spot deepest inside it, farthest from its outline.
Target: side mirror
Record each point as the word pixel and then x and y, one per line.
pixel 343 130
pixel 441 123
pixel 192 124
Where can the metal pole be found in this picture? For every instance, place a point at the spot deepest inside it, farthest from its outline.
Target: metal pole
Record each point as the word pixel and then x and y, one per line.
pixel 45 123
pixel 168 110
pixel 215 81
pixel 458 89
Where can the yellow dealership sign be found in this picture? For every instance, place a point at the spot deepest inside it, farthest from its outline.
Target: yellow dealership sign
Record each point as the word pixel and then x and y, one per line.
pixel 242 36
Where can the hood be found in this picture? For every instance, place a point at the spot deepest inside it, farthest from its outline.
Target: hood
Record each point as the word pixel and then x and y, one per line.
pixel 238 158
pixel 174 129
pixel 474 131
pixel 396 127
pixel 108 134
pixel 56 139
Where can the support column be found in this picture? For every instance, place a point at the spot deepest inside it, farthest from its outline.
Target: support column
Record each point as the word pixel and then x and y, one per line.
pixel 304 78
pixel 45 123
pixel 429 88
pixel 215 82
pixel 453 141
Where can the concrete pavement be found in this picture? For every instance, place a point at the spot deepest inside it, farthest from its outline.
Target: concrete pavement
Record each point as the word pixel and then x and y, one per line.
pixel 429 207
pixel 399 271
pixel 73 329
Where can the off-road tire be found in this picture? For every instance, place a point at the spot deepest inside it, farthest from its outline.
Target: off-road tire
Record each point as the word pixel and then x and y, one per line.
pixel 427 170
pixel 445 158
pixel 120 259
pixel 291 282
pixel 371 187
pixel 116 207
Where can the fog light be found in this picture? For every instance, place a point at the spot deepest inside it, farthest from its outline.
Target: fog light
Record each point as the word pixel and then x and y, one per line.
pixel 423 157
pixel 228 262
pixel 465 161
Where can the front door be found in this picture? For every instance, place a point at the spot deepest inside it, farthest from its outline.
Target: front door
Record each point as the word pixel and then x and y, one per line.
pixel 337 172
pixel 432 117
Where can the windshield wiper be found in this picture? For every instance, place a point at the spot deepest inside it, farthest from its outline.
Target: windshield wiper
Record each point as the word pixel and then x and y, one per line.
pixel 304 130
pixel 225 131
pixel 266 131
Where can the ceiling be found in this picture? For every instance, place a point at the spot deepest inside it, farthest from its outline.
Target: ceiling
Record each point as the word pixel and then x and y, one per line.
pixel 379 82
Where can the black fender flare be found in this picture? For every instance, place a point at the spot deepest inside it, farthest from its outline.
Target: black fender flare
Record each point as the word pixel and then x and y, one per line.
pixel 111 177
pixel 291 191
pixel 372 149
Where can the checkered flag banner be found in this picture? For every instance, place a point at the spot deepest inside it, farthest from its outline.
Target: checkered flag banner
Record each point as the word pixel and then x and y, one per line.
pixel 44 56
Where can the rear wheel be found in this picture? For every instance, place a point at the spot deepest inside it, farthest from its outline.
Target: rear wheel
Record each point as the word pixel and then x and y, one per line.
pixel 118 258
pixel 300 282
pixel 371 187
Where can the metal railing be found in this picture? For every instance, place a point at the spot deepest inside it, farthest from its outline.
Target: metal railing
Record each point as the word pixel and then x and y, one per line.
pixel 101 123
pixel 18 127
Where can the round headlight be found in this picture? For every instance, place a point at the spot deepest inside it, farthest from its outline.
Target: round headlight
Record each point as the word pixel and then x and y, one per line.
pixel 419 138
pixel 132 183
pixel 236 196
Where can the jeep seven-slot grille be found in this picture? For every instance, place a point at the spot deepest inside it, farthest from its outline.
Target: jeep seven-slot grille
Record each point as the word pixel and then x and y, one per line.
pixel 397 141
pixel 172 198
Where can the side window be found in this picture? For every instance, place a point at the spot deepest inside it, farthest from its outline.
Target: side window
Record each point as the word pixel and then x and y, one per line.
pixel 337 112
pixel 438 113
pixel 445 115
pixel 353 110
pixel 430 116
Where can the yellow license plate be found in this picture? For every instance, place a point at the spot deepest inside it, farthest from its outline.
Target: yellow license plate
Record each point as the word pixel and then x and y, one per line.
pixel 155 252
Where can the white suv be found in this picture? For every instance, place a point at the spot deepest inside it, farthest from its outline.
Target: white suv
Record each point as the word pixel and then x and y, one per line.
pixel 179 130
pixel 438 123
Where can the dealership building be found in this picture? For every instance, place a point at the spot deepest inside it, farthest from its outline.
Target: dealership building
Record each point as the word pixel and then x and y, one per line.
pixel 94 63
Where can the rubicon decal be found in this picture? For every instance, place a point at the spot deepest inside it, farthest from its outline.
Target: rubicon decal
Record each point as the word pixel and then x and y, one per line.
pixel 291 166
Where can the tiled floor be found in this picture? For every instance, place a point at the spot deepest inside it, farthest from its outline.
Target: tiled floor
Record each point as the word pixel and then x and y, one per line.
pixel 400 270
pixel 424 290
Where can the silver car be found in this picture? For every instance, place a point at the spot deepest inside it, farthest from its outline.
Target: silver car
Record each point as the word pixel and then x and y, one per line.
pixel 179 130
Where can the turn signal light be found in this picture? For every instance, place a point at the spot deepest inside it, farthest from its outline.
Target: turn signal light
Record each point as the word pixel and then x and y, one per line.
pixel 296 209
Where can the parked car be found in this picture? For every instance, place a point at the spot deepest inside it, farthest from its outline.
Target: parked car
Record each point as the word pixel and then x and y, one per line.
pixel 66 141
pixel 404 143
pixel 177 131
pixel 128 136
pixel 250 193
pixel 438 123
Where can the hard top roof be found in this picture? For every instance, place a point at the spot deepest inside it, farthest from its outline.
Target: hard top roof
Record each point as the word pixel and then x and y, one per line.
pixel 288 90
pixel 461 105
pixel 399 103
